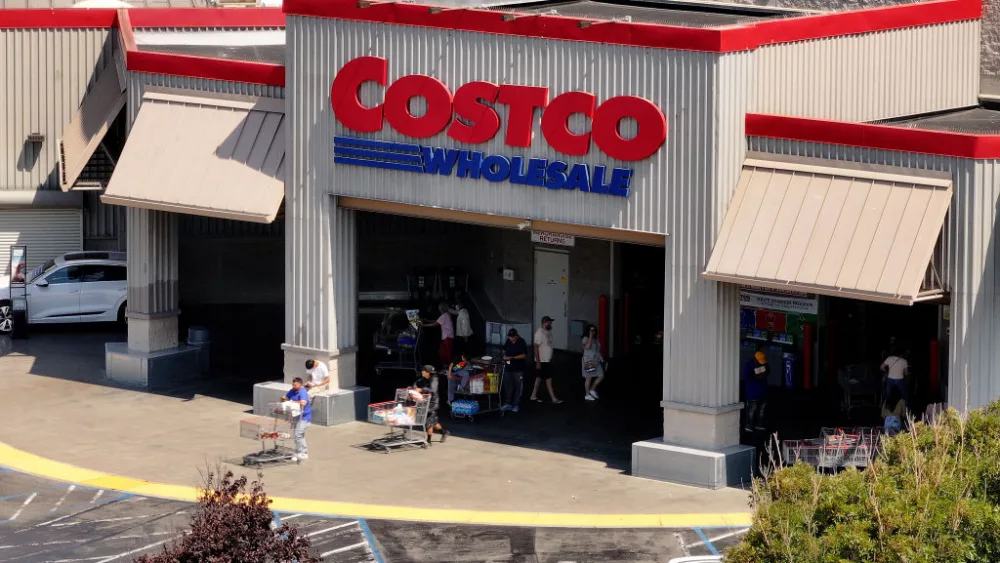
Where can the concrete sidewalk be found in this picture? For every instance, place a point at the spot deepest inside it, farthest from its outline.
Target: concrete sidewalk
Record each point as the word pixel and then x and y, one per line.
pixel 53 404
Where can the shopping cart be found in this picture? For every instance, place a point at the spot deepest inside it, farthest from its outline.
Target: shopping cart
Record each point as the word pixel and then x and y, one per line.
pixel 406 417
pixel 836 448
pixel 484 392
pixel 276 429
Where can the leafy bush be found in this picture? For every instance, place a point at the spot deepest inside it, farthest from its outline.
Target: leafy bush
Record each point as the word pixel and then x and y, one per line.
pixel 932 496
pixel 234 526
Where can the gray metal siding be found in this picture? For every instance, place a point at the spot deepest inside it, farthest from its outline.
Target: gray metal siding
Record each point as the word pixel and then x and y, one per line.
pixel 137 82
pixel 682 83
pixel 152 261
pixel 44 74
pixel 872 76
pixel 967 261
pixel 46 232
pixel 102 224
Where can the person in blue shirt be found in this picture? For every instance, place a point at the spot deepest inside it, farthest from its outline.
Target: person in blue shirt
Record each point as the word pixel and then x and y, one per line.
pixel 299 395
pixel 755 375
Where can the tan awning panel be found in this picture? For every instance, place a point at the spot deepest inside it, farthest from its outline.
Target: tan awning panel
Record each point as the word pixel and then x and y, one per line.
pixel 219 156
pixel 836 229
pixel 101 105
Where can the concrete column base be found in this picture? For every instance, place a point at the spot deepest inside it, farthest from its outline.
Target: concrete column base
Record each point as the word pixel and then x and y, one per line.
pixel 712 469
pixel 700 447
pixel 150 371
pixel 152 333
pixel 328 409
pixel 342 364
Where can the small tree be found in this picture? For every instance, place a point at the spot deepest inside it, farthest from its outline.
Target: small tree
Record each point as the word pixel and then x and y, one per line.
pixel 933 496
pixel 234 526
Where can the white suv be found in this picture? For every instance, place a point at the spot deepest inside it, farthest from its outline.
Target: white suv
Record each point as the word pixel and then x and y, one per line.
pixel 78 287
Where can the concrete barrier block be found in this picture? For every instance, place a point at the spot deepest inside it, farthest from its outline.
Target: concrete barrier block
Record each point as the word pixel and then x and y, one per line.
pixel 328 409
pixel 727 467
pixel 150 371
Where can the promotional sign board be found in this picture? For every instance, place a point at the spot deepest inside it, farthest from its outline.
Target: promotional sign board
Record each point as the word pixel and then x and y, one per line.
pixel 556 239
pixel 18 265
pixel 468 117
pixel 787 304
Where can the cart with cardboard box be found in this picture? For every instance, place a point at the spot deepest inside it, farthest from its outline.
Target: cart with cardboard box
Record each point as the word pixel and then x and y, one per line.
pixel 271 431
pixel 482 394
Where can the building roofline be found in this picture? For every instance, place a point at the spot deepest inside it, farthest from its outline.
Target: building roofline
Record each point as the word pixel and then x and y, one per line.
pixel 867 135
pixel 717 40
pixel 70 18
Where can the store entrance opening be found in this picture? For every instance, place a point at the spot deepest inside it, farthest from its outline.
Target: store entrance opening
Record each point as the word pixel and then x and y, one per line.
pixel 506 280
pixel 826 356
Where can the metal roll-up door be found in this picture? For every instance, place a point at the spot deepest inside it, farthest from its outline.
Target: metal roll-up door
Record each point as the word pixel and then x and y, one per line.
pixel 46 232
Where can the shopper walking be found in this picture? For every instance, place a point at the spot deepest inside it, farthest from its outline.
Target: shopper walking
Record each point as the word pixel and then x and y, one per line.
pixel 593 364
pixel 515 350
pixel 895 369
pixel 543 360
pixel 755 377
pixel 463 329
pixel 428 383
pixel 298 394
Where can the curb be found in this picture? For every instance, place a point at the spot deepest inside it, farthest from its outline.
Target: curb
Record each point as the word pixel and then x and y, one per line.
pixel 25 462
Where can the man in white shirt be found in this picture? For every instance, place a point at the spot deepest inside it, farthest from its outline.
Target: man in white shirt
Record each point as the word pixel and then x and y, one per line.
pixel 896 368
pixel 543 360
pixel 319 377
pixel 463 329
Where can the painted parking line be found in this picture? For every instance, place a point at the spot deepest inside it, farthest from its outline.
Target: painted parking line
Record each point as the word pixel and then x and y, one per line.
pixel 20 510
pixel 29 463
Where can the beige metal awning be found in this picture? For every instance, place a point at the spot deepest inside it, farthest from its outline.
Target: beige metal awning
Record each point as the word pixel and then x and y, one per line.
pixel 84 134
pixel 832 228
pixel 219 156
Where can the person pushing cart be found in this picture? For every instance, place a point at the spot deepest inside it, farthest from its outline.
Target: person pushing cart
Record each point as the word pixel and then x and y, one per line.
pixel 427 383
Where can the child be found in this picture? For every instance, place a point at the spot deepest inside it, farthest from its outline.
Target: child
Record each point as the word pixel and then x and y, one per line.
pixel 458 377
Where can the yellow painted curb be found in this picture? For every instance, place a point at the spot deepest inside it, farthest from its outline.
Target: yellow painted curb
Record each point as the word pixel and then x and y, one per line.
pixel 29 463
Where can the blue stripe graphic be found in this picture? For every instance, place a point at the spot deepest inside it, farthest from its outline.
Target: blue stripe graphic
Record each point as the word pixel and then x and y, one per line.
pixel 378 164
pixel 383 145
pixel 378 155
pixel 708 544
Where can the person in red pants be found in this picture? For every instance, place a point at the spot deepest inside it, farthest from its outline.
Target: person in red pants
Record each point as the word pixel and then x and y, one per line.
pixel 447 336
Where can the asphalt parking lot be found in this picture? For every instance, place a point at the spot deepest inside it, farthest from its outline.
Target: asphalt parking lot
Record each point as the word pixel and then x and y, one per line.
pixel 43 521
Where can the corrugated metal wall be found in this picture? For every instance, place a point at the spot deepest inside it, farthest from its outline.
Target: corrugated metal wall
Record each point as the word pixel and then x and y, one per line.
pixel 152 261
pixel 137 82
pixel 871 76
pixel 46 232
pixel 967 262
pixel 44 74
pixel 681 82
pixel 103 225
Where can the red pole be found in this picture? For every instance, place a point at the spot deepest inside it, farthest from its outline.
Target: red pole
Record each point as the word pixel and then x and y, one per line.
pixel 807 355
pixel 602 323
pixel 935 372
pixel 626 338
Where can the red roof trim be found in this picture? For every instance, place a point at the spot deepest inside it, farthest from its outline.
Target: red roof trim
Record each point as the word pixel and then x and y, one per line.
pixel 866 135
pixel 60 18
pixel 719 40
pixel 204 67
pixel 68 18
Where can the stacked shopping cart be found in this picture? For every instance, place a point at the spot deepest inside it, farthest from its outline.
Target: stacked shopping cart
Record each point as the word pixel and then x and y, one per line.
pixel 835 448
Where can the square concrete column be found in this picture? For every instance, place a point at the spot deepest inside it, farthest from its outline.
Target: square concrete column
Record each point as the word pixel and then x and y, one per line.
pixel 321 307
pixel 701 409
pixel 153 357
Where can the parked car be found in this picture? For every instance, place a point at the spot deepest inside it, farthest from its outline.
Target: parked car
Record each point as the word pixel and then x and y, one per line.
pixel 78 287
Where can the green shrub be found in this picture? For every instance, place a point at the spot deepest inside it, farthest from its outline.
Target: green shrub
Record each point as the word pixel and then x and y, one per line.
pixel 932 496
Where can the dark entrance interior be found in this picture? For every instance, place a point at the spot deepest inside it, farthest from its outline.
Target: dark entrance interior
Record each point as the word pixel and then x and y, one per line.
pixel 394 250
pixel 853 339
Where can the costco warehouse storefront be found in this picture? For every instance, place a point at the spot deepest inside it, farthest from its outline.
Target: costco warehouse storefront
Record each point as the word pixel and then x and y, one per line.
pixel 636 133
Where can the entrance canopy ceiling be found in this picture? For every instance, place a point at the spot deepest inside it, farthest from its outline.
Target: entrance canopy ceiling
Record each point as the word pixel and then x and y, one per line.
pixel 832 228
pixel 219 156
